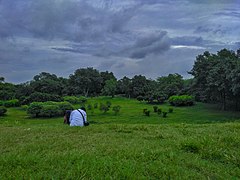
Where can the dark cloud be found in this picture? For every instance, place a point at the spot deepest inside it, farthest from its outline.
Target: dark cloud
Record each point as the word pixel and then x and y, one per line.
pixel 152 44
pixel 127 37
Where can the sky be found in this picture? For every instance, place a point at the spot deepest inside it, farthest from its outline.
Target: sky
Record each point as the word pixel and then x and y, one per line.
pixel 127 37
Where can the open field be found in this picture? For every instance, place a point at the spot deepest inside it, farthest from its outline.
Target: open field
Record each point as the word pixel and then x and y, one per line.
pixel 196 142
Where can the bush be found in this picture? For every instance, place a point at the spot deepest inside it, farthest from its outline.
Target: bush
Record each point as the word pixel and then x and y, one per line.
pixel 63 106
pixel 3 110
pixel 95 105
pixel 41 97
pixel 159 111
pixel 140 98
pixel 10 103
pixel 170 110
pixel 35 108
pixel 183 100
pixel 164 114
pixel 75 100
pixel 104 108
pixel 155 108
pixel 147 113
pixel 50 111
pixel 116 109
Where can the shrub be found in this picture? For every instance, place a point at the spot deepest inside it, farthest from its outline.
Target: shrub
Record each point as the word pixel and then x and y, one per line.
pixel 75 100
pixel 95 105
pixel 24 107
pixel 41 97
pixel 3 110
pixel 35 108
pixel 155 108
pixel 147 113
pixel 71 99
pixel 144 111
pixel 164 114
pixel 11 103
pixel 50 111
pixel 116 109
pixel 63 106
pixel 159 111
pixel 140 98
pixel 108 103
pixel 104 108
pixel 170 110
pixel 183 100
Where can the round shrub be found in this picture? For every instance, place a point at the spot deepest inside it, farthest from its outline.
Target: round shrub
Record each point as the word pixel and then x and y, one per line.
pixel 63 106
pixel 50 111
pixel 116 109
pixel 183 100
pixel 3 110
pixel 11 103
pixel 35 108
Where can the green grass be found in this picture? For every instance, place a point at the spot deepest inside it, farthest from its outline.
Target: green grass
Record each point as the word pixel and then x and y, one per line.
pixel 198 142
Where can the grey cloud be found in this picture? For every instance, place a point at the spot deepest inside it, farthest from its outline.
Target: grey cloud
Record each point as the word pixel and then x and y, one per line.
pixel 74 20
pixel 153 44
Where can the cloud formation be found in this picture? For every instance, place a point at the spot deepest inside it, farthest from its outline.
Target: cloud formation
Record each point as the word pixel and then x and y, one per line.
pixel 123 36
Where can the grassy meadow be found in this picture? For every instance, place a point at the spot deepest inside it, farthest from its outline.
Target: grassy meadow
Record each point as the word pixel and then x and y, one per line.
pixel 198 142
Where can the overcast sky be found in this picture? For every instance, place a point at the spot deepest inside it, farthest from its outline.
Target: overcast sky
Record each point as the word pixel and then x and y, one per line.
pixel 126 37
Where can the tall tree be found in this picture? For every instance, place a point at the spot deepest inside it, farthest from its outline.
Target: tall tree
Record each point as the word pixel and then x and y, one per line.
pixel 86 81
pixel 110 87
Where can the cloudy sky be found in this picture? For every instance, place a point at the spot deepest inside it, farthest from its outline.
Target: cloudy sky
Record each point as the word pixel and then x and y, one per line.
pixel 126 37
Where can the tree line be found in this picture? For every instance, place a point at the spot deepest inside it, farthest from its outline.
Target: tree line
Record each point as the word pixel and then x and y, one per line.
pixel 216 79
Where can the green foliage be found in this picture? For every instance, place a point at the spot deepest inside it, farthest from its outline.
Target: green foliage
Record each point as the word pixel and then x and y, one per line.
pixel 116 109
pixel 75 100
pixel 147 113
pixel 108 103
pixel 41 97
pixel 155 109
pixel 11 103
pixel 63 106
pixel 104 107
pixel 216 77
pixel 164 114
pixel 182 100
pixel 48 109
pixel 35 108
pixel 140 98
pixel 3 110
pixel 170 110
pixel 110 87
pixel 95 105
pixel 159 111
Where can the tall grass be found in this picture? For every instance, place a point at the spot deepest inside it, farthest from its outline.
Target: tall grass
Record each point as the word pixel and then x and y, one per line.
pixel 197 142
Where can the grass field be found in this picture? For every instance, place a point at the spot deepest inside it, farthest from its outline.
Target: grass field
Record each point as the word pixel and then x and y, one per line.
pixel 198 142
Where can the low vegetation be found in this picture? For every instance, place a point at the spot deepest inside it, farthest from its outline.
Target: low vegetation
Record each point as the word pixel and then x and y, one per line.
pixel 194 142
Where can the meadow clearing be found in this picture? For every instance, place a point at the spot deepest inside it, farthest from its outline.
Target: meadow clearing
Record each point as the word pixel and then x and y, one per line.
pixel 197 142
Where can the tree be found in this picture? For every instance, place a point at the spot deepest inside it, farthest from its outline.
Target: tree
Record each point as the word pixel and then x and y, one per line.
pixel 123 86
pixel 47 83
pixel 140 86
pixel 216 76
pixel 86 81
pixel 110 87
pixel 170 85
